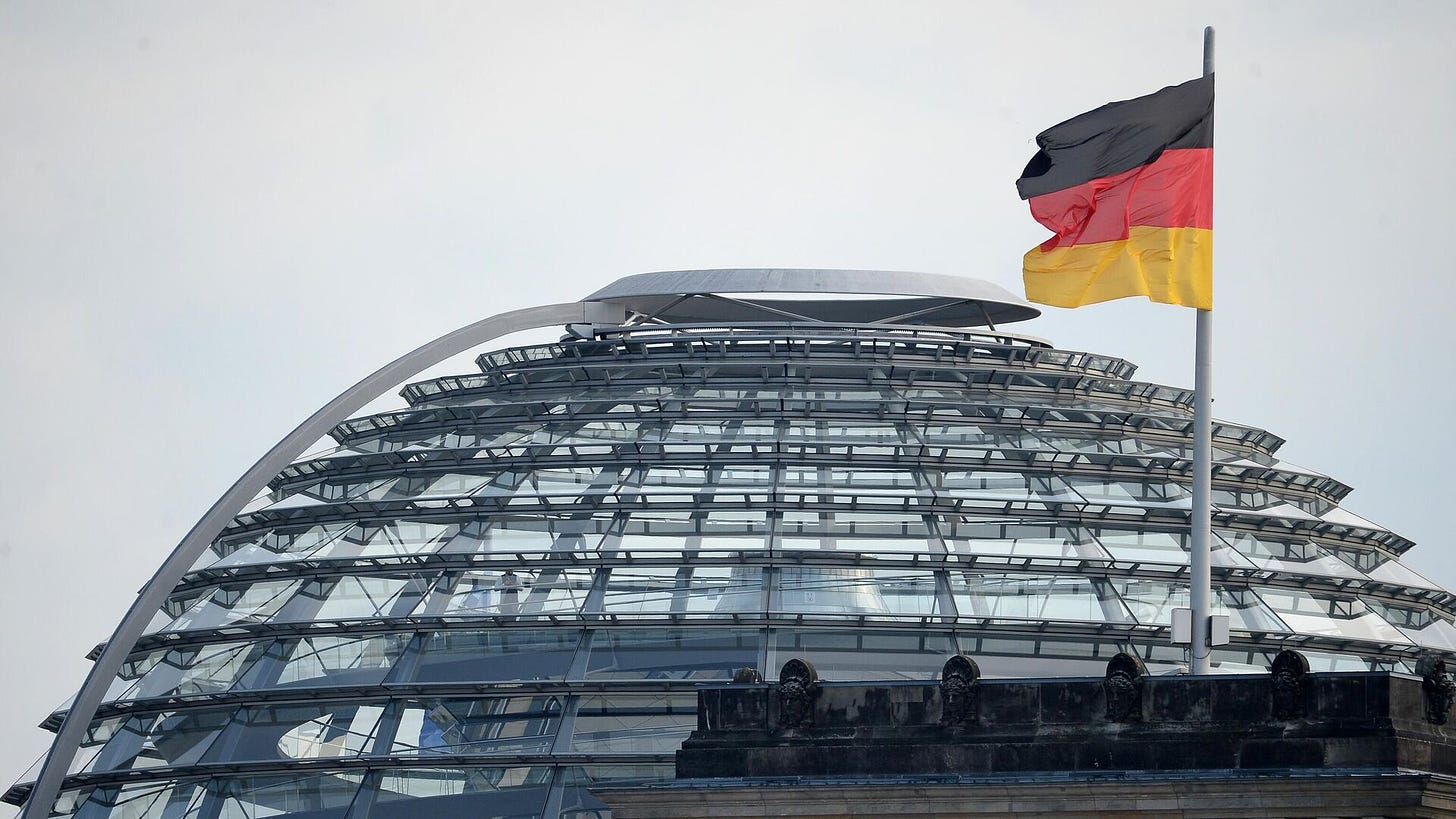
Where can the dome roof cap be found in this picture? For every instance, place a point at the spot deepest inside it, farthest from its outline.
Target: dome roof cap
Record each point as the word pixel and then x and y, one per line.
pixel 731 295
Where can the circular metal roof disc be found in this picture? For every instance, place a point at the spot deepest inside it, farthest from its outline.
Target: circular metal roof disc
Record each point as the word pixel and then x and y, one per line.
pixel 832 296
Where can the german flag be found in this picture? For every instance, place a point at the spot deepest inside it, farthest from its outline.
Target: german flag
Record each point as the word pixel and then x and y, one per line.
pixel 1128 189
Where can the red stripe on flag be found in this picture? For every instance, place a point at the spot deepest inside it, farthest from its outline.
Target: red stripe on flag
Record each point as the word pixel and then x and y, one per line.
pixel 1175 190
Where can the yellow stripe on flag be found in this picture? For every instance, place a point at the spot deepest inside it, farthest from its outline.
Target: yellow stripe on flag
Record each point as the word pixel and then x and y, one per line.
pixel 1168 265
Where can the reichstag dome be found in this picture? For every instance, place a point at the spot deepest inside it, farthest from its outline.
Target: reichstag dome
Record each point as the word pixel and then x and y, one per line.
pixel 482 603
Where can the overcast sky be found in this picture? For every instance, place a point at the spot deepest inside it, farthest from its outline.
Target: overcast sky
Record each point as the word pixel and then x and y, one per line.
pixel 216 216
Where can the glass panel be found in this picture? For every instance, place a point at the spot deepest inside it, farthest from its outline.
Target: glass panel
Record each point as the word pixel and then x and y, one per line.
pixel 1293 555
pixel 1111 445
pixel 197 670
pixel 400 537
pixel 1036 597
pixel 1152 603
pixel 532 535
pixel 462 793
pixel 825 590
pixel 1261 501
pixel 696 589
pixel 559 486
pixel 671 654
pixel 499 654
pixel 1380 566
pixel 978 436
pixel 149 800
pixel 366 597
pixel 1001 485
pixel 577 800
pixel 684 530
pixel 323 661
pixel 282 732
pixel 1017 538
pixel 508 592
pixel 1423 626
pixel 845 656
pixel 70 801
pixel 840 432
pixel 728 480
pixel 808 483
pixel 1163 547
pixel 634 724
pixel 1132 493
pixel 152 740
pixel 900 533
pixel 321 796
pixel 278 546
pixel 1033 656
pixel 515 725
pixel 237 604
pixel 1307 613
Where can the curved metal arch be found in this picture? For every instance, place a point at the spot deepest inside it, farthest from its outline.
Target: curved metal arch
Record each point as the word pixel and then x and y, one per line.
pixel 154 593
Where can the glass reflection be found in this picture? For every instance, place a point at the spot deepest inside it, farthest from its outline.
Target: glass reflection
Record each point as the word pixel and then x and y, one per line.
pixel 691 589
pixel 231 604
pixel 671 654
pixel 325 660
pixel 319 796
pixel 477 726
pixel 523 592
pixel 462 793
pixel 1036 597
pixel 827 590
pixel 1308 613
pixel 633 724
pixel 1152 603
pixel 496 655
pixel 849 655
pixel 203 669
pixel 147 800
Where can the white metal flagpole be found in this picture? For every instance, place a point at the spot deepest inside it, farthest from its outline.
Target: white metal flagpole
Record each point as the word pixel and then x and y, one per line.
pixel 1200 576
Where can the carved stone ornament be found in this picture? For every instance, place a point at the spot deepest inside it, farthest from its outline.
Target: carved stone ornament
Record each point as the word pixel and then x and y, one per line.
pixel 1438 688
pixel 1123 686
pixel 1289 683
pixel 798 685
pixel 747 676
pixel 958 678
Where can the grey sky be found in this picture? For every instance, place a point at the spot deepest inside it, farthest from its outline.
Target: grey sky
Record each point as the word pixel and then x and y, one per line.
pixel 214 217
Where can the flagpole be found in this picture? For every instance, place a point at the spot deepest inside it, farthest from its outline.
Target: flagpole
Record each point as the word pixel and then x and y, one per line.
pixel 1200 575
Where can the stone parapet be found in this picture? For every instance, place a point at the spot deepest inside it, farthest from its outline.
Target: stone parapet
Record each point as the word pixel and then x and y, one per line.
pixel 1288 743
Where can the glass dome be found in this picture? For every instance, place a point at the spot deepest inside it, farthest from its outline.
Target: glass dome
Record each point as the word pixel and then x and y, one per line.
pixel 486 601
